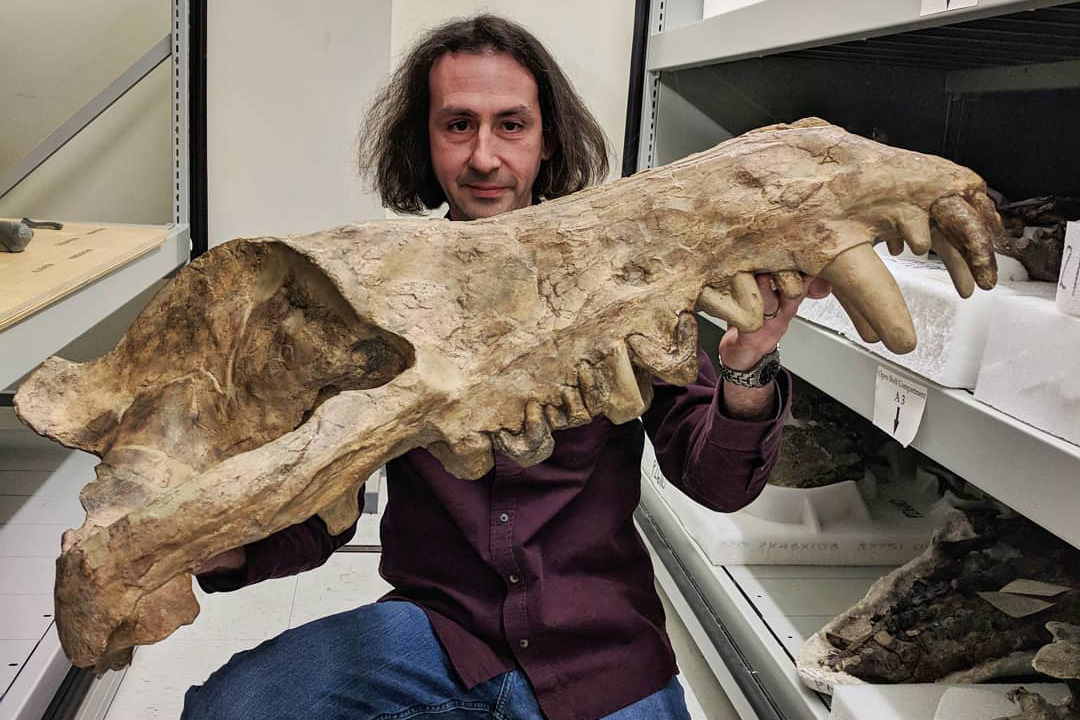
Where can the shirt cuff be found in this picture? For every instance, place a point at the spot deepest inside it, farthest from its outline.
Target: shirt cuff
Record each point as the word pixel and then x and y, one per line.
pixel 749 435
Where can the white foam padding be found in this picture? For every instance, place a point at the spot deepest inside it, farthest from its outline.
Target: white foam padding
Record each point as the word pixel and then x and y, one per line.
pixel 877 521
pixel 951 331
pixel 918 701
pixel 1031 364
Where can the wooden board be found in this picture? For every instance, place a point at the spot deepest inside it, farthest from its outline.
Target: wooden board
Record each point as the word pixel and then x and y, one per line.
pixel 56 263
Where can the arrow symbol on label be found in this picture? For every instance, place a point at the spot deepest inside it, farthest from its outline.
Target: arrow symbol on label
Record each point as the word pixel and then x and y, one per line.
pixel 896 422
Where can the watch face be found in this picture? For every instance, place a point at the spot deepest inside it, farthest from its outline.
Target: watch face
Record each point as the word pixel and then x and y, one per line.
pixel 769 371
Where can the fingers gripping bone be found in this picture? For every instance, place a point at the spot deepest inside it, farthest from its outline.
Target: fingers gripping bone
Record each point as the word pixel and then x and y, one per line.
pixel 272 375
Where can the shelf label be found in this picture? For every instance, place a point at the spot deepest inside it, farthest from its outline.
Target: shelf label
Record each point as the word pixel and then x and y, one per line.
pixel 898 405
pixel 930 7
pixel 1068 288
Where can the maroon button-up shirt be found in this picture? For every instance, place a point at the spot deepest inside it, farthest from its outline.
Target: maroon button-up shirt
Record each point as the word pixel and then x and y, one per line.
pixel 542 568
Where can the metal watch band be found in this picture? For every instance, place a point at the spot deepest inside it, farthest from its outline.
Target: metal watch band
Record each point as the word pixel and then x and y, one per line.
pixel 756 377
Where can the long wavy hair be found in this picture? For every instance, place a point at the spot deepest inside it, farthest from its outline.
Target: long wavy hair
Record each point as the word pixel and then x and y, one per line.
pixel 395 152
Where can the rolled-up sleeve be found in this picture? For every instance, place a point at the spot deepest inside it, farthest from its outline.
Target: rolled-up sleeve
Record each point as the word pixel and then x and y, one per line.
pixel 718 461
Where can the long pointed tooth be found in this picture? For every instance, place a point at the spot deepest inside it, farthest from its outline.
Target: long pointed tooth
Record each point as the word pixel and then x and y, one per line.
pixel 866 332
pixel 533 444
pixel 678 368
pixel 914 225
pixel 737 301
pixel 789 283
pixel 958 269
pixel 860 277
pixel 468 458
pixel 968 231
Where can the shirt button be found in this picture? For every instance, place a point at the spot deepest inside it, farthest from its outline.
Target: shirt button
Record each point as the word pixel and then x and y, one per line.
pixel 514 579
pixel 523 644
pixel 504 518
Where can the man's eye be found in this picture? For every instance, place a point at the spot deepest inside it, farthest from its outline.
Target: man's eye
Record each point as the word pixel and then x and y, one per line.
pixel 512 126
pixel 459 125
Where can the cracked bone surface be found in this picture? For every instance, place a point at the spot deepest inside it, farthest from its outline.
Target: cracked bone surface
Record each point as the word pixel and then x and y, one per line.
pixel 272 375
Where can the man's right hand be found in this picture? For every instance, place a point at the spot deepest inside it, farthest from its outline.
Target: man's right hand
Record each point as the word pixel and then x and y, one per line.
pixel 233 559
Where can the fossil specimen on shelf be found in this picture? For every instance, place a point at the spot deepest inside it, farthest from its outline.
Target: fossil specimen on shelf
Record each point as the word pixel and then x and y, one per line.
pixel 966 610
pixel 1035 233
pixel 824 443
pixel 272 375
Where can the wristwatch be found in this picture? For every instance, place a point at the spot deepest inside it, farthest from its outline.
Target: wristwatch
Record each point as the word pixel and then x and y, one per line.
pixel 756 377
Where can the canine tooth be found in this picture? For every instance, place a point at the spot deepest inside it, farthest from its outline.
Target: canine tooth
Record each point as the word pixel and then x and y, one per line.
pixel 859 276
pixel 789 283
pixel 625 401
pixel 866 332
pixel 679 367
pixel 958 269
pixel 965 228
pixel 469 458
pixel 533 444
pixel 737 301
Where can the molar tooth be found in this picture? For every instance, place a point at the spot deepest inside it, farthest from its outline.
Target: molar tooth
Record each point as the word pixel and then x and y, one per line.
pixel 594 388
pixel 913 224
pixel 555 417
pixel 469 458
pixel 578 414
pixel 533 444
pixel 737 301
pixel 625 401
pixel 789 283
pixel 679 367
pixel 860 277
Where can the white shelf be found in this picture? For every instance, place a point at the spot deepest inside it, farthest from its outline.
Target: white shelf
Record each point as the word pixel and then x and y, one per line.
pixel 750 620
pixel 1033 472
pixel 26 344
pixel 773 26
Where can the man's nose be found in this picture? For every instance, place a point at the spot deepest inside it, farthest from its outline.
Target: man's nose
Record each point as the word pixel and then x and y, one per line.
pixel 485 155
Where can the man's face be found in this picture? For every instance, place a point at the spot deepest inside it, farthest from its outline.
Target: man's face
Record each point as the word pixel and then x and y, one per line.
pixel 486 133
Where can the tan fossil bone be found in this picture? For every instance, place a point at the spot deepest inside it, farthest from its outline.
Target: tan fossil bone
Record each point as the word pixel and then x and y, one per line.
pixel 272 375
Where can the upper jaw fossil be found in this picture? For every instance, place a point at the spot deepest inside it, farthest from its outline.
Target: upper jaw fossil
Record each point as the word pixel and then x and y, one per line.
pixel 272 375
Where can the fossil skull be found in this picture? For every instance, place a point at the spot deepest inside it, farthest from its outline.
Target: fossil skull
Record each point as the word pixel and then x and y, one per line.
pixel 271 376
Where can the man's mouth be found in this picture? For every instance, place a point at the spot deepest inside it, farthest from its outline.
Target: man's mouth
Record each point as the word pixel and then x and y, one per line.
pixel 486 191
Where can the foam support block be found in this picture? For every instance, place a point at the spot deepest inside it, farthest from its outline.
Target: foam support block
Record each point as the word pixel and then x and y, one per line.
pixel 918 701
pixel 877 521
pixel 951 330
pixel 1031 364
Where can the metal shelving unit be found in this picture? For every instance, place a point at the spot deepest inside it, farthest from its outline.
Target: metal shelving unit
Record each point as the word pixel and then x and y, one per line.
pixel 877 65
pixel 41 679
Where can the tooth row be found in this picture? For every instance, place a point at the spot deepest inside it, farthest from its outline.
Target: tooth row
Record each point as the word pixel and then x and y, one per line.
pixel 618 387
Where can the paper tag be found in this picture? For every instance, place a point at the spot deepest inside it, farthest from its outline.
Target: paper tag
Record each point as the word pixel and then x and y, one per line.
pixel 898 405
pixel 930 7
pixel 658 476
pixel 1068 287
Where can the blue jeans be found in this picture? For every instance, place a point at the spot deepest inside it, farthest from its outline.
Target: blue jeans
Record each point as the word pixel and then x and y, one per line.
pixel 377 662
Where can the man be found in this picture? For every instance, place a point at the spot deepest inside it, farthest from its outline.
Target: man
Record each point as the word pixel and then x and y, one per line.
pixel 527 593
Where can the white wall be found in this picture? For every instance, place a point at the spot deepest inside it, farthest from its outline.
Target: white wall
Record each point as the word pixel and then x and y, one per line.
pixel 590 40
pixel 55 56
pixel 287 86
